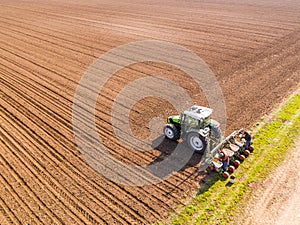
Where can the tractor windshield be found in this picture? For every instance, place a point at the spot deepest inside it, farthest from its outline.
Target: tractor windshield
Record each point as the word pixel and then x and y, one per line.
pixel 190 122
pixel 206 122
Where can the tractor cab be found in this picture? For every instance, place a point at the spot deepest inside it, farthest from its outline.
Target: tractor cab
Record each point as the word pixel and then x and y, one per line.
pixel 195 118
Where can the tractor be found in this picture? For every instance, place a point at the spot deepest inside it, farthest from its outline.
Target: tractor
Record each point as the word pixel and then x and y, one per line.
pixel 195 126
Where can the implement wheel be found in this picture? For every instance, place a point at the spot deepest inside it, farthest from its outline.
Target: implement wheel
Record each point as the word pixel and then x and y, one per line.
pixel 236 163
pixel 225 175
pixel 247 153
pixel 242 158
pixel 231 169
pixel 251 148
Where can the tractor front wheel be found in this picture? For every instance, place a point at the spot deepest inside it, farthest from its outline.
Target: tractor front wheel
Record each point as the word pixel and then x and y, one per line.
pixel 171 132
pixel 196 142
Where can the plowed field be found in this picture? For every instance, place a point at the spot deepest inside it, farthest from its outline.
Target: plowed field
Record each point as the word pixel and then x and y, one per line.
pixel 253 47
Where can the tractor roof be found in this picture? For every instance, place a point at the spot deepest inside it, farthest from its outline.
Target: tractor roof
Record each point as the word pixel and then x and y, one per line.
pixel 198 112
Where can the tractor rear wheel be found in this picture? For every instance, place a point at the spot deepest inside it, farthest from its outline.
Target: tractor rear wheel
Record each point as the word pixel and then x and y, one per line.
pixel 171 132
pixel 196 142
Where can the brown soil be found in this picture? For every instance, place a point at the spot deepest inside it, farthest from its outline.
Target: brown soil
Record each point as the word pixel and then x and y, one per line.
pixel 46 46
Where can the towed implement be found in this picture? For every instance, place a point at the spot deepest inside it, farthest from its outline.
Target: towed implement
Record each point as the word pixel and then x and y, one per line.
pixel 234 146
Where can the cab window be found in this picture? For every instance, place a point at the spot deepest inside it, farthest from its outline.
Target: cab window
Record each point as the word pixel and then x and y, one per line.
pixel 190 121
pixel 206 121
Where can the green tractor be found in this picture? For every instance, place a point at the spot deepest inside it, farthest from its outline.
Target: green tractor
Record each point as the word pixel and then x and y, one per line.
pixel 195 126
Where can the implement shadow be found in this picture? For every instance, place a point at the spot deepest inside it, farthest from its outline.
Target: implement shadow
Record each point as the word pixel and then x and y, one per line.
pixel 167 147
pixel 209 178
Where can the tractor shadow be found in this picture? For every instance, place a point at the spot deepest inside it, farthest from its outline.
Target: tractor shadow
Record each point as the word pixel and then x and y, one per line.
pixel 168 147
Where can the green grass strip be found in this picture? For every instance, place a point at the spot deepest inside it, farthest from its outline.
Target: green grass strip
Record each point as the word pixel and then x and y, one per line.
pixel 216 202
